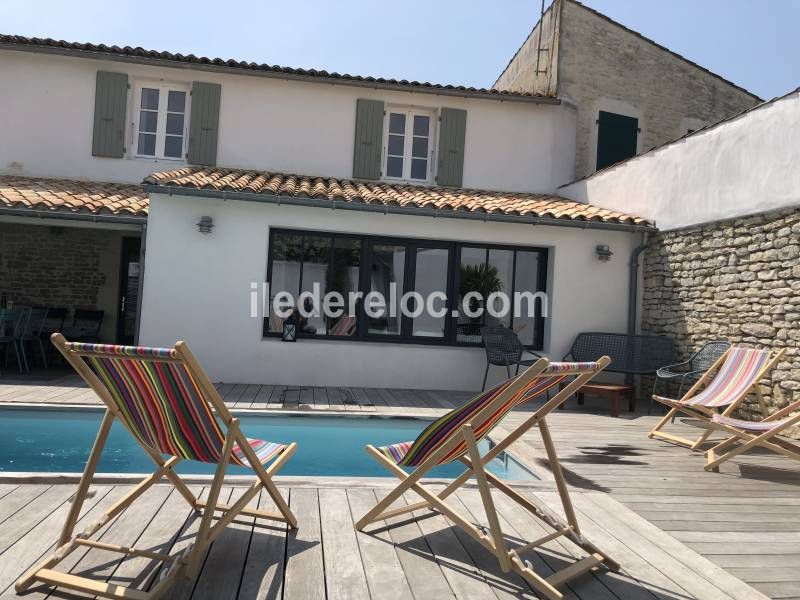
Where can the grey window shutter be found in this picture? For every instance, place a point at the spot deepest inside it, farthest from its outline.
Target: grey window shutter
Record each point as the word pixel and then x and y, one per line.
pixel 452 132
pixel 204 123
pixel 369 135
pixel 110 101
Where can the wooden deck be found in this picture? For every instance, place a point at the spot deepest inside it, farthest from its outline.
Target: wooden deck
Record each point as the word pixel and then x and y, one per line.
pixel 678 531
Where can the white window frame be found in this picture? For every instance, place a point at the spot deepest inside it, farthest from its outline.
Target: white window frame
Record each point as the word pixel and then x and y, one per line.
pixel 161 127
pixel 410 112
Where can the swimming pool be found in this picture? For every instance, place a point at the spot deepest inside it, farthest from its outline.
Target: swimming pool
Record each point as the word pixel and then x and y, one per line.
pixel 58 440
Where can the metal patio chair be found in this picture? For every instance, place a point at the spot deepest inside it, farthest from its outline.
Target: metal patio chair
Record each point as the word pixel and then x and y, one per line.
pixel 504 349
pixel 11 323
pixel 689 370
pixel 32 333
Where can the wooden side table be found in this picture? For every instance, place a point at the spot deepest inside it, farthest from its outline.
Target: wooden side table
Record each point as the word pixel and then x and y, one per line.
pixel 612 390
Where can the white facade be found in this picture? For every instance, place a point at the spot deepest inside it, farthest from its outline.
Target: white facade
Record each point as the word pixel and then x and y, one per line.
pixel 197 288
pixel 743 166
pixel 265 124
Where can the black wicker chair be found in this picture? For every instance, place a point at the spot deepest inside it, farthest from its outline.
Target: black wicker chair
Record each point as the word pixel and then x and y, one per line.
pixel 689 370
pixel 503 349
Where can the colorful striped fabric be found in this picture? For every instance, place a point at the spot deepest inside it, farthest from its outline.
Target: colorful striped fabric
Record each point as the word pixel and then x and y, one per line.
pixel 736 376
pixel 140 351
pixel 162 404
pixel 412 454
pixel 756 426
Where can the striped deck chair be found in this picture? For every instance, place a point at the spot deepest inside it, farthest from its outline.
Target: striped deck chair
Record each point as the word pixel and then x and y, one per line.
pixel 168 404
pixel 749 434
pixel 455 436
pixel 734 376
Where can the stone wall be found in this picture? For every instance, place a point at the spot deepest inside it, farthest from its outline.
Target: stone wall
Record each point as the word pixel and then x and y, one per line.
pixel 737 280
pixel 598 64
pixel 604 66
pixel 520 75
pixel 68 267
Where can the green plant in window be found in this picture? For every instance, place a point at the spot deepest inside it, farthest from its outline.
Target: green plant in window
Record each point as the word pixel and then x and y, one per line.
pixel 481 278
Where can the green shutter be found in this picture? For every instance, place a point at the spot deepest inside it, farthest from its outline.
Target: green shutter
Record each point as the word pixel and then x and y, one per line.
pixel 204 123
pixel 369 135
pixel 616 138
pixel 110 100
pixel 452 132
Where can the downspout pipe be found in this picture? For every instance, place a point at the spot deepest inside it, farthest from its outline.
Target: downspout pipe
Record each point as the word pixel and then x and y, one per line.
pixel 633 283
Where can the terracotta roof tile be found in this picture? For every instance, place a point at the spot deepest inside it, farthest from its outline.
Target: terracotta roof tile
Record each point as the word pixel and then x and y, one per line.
pixel 138 53
pixel 64 195
pixel 544 206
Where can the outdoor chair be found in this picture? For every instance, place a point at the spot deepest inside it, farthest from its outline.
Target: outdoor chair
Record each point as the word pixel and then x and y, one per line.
pixel 455 436
pixel 691 369
pixel 85 326
pixel 504 349
pixel 31 333
pixel 12 322
pixel 170 407
pixel 735 375
pixel 749 434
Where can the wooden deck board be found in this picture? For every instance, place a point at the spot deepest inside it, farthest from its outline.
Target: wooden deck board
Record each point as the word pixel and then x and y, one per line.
pixel 745 519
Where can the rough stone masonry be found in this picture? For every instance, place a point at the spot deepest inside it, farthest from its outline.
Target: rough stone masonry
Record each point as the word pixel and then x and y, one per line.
pixel 737 280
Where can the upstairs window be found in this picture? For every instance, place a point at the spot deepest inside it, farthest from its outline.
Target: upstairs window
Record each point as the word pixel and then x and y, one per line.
pixel 161 122
pixel 408 147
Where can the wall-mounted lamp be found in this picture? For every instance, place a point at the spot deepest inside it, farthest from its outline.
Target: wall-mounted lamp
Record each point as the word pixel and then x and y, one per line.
pixel 205 224
pixel 604 253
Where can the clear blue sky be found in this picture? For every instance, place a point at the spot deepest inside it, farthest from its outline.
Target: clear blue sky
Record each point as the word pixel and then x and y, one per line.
pixel 753 43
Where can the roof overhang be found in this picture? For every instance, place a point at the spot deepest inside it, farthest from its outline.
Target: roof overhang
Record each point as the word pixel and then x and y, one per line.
pixel 387 209
pixel 274 74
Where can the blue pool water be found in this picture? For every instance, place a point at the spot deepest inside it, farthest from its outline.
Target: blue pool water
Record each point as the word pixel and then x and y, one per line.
pixel 59 440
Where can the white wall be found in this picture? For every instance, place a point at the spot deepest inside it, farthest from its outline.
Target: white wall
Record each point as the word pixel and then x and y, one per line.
pixel 197 288
pixel 740 167
pixel 46 121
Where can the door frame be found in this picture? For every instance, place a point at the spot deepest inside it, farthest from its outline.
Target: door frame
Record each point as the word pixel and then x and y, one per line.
pixel 125 251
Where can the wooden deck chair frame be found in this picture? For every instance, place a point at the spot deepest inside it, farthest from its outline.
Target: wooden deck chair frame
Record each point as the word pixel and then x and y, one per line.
pixel 187 562
pixel 704 414
pixel 747 439
pixel 494 541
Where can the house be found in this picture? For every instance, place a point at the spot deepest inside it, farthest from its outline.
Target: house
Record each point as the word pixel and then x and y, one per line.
pixel 229 175
pixel 630 92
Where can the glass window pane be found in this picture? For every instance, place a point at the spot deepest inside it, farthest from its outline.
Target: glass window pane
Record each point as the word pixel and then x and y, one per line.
pixel 174 124
pixel 419 148
pixel 176 101
pixel 501 266
pixel 394 166
pixel 148 120
pixel 422 125
pixel 287 256
pixel 173 146
pixel 472 277
pixel 147 144
pixel 419 169
pixel 431 276
pixel 316 257
pixel 397 123
pixel 526 280
pixel 344 278
pixel 387 267
pixel 150 98
pixel 395 146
